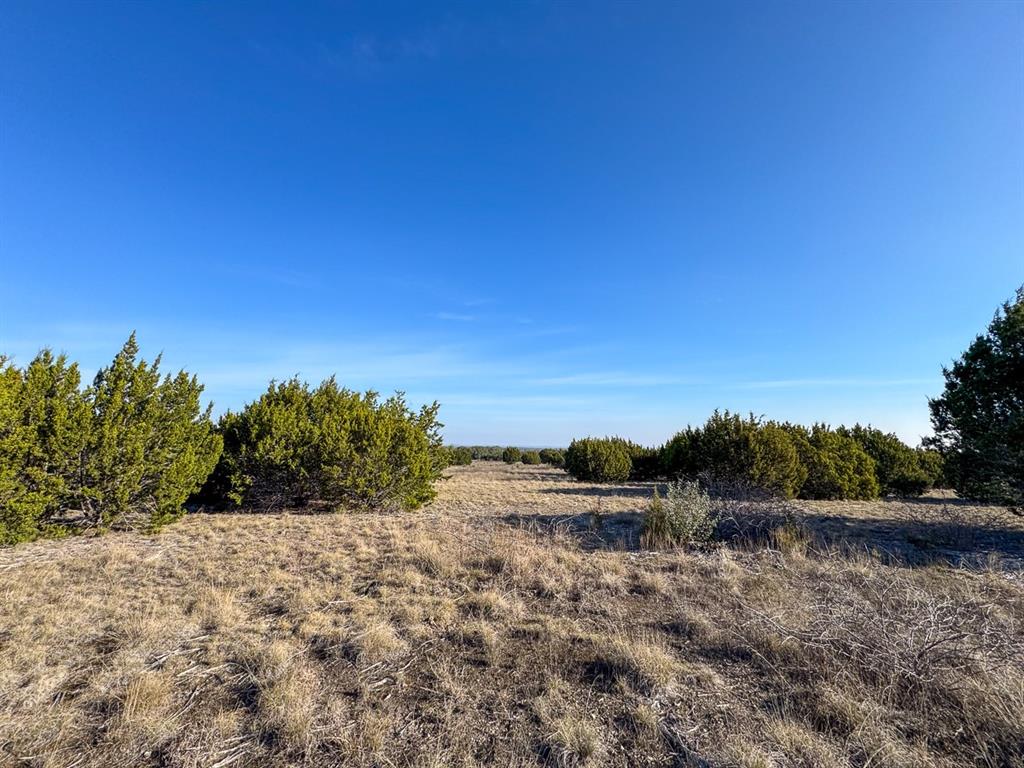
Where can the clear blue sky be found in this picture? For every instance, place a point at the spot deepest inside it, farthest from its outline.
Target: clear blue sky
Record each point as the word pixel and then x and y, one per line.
pixel 556 219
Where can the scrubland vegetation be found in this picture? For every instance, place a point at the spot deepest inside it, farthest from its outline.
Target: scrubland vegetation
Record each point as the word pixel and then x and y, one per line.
pixel 514 622
pixel 750 594
pixel 787 460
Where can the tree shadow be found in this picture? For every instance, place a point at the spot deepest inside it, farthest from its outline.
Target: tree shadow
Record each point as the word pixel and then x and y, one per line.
pixel 628 491
pixel 967 538
pixel 590 530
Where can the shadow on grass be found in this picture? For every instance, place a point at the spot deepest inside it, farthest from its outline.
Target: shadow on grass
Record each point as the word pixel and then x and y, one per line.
pixel 598 491
pixel 592 531
pixel 995 541
pixel 975 542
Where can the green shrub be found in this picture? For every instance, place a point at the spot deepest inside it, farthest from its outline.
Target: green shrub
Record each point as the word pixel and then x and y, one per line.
pixel 459 456
pixel 44 434
pixel 775 462
pixel 645 463
pixel 731 449
pixel 295 445
pixel 126 452
pixel 979 417
pixel 486 452
pixel 679 456
pixel 837 467
pixel 552 456
pixel 151 444
pixel 531 457
pixel 933 466
pixel 684 517
pixel 599 460
pixel 897 466
pixel 511 455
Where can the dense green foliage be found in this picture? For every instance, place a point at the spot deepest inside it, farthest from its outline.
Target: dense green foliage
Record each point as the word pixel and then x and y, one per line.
pixel 295 445
pixel 979 417
pixel 459 456
pixel 729 448
pixel 837 467
pixel 933 465
pixel 645 462
pixel 531 457
pixel 126 452
pixel 599 459
pixel 511 455
pixel 898 467
pixel 736 454
pixel 552 456
pixel 487 452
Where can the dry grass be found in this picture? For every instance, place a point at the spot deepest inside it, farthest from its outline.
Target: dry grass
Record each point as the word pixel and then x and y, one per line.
pixel 498 627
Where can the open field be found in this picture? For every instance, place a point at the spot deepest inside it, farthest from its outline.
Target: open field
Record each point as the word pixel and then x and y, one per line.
pixel 514 622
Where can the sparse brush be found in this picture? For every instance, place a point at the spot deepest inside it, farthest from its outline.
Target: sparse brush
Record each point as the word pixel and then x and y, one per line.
pixel 457 636
pixel 684 517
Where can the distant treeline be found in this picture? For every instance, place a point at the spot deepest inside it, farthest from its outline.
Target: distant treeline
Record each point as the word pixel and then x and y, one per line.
pixel 466 454
pixel 789 460
pixel 131 449
pixel 978 446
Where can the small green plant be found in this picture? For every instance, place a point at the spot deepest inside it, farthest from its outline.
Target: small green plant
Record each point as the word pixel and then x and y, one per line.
pixel 531 457
pixel 459 456
pixel 552 456
pixel 511 455
pixel 684 517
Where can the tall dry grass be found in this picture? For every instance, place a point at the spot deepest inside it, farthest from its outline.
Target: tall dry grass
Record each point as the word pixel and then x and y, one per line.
pixel 492 630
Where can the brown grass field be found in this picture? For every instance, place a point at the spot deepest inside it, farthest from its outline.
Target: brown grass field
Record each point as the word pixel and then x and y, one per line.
pixel 515 622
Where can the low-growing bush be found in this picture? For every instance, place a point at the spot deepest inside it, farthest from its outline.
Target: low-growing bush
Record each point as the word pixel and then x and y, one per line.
pixel 898 467
pixel 531 457
pixel 645 463
pixel 459 456
pixel 731 449
pixel 837 467
pixel 599 460
pixel 511 455
pixel 933 465
pixel 552 456
pixel 295 445
pixel 486 452
pixel 685 516
pixel 127 451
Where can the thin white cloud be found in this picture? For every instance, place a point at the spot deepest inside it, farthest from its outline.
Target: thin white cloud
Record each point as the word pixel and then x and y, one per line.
pixel 612 379
pixel 832 383
pixel 455 317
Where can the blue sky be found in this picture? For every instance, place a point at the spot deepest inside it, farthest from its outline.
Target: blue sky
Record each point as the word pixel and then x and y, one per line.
pixel 556 219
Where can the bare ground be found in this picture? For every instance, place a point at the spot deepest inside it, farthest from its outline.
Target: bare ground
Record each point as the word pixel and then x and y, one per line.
pixel 515 622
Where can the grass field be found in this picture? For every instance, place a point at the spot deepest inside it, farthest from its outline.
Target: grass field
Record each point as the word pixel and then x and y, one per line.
pixel 515 622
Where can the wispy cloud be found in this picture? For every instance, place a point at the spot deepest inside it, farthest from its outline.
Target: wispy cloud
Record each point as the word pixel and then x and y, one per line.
pixel 455 317
pixel 371 49
pixel 613 379
pixel 832 383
